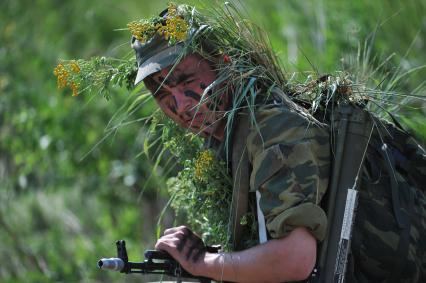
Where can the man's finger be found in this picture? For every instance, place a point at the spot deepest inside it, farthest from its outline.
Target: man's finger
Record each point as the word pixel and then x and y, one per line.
pixel 174 230
pixel 166 243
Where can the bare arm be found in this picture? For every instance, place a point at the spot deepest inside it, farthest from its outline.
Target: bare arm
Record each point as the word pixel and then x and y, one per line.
pixel 288 259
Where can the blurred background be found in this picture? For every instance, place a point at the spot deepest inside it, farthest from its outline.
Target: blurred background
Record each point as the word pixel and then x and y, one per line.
pixel 68 191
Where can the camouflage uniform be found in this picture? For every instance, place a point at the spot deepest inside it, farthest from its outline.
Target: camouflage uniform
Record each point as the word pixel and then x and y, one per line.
pixel 290 160
pixel 290 156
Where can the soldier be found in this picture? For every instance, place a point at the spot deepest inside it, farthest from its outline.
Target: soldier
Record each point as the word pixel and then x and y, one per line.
pixel 281 153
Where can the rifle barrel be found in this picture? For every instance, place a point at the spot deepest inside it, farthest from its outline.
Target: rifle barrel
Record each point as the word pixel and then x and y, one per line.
pixel 114 263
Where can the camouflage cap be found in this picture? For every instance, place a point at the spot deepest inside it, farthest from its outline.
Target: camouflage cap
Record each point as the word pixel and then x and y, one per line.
pixel 154 55
pixel 159 51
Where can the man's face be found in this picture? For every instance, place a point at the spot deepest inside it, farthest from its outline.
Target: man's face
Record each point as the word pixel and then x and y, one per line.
pixel 181 92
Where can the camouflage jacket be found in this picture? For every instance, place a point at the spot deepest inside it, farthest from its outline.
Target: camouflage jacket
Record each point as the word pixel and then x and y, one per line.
pixel 290 160
pixel 290 157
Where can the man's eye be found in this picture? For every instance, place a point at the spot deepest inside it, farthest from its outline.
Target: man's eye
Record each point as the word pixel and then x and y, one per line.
pixel 189 81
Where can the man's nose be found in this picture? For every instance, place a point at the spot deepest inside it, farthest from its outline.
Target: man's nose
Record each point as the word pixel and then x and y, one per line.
pixel 183 102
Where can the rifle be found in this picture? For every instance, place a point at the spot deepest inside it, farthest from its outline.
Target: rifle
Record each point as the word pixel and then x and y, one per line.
pixel 156 262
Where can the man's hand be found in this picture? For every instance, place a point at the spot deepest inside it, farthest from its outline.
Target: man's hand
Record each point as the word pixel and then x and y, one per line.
pixel 291 258
pixel 184 246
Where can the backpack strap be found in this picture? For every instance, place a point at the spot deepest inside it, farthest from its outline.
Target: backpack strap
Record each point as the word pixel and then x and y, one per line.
pixel 404 241
pixel 390 167
pixel 402 219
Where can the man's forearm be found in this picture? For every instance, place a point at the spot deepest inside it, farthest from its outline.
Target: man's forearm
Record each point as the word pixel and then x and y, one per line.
pixel 288 259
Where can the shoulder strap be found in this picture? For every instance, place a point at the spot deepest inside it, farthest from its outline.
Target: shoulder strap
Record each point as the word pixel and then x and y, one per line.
pixel 241 177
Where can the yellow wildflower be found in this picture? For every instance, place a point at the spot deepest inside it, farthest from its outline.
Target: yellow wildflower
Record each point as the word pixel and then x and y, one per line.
pixel 176 28
pixel 141 30
pixel 74 87
pixel 61 72
pixel 203 164
pixel 171 9
pixel 58 69
pixel 75 67
pixel 64 78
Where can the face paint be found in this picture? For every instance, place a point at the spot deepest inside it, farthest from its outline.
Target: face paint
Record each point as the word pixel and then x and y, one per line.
pixel 196 246
pixel 196 249
pixel 173 107
pixel 203 86
pixel 192 94
pixel 198 255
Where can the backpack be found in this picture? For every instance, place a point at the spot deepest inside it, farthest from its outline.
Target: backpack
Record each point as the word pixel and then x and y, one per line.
pixel 370 156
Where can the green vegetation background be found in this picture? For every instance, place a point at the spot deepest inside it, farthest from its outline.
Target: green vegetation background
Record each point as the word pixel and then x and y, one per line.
pixel 64 199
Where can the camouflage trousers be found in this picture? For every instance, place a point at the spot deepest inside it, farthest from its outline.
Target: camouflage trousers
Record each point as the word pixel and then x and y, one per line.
pixel 389 238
